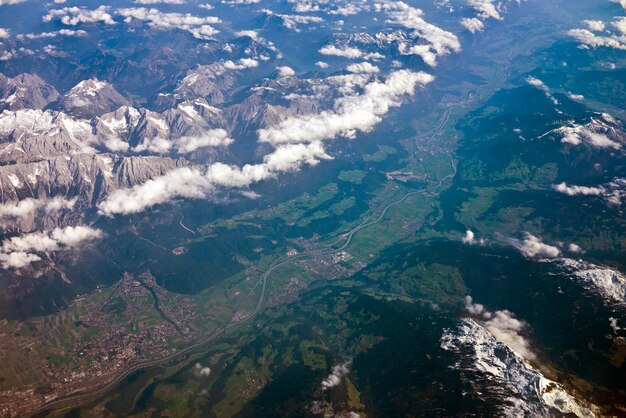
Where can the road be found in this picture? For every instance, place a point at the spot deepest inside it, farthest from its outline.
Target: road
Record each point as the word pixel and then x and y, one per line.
pixel 74 400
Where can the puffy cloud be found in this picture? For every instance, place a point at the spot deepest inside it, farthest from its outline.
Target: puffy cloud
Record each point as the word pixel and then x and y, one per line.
pixel 14 53
pixel 359 112
pixel 348 10
pixel 592 40
pixel 181 182
pixel 241 64
pixel 613 192
pixel 503 371
pixel 363 67
pixel 535 82
pixel 620 25
pixel 4 33
pixel 577 134
pixel 75 15
pixel 202 371
pixel 344 51
pixel 337 373
pixel 61 32
pixel 597 34
pixel 290 157
pixel 19 251
pixel 233 2
pixel 578 190
pixel 10 2
pixel 438 41
pixel 473 24
pixel 617 194
pixel 532 246
pixel 292 21
pixel 17 260
pixel 71 236
pixel 211 138
pixel 469 237
pixel 574 248
pixel 297 142
pixel 160 1
pixel 576 97
pixel 157 145
pixel 199 27
pixel 286 71
pixel 486 9
pixel 503 326
pixel 193 183
pixel 249 33
pixel 29 206
pixel 321 64
pixel 595 25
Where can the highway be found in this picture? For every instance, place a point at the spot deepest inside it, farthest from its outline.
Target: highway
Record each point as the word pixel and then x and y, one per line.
pixel 75 400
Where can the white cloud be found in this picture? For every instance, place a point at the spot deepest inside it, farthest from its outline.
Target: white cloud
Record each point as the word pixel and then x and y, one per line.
pixel 596 34
pixel 577 134
pixel 473 24
pixel 359 112
pixel 535 82
pixel 469 237
pixel 292 21
pixel 160 1
pixel 321 64
pixel 4 33
pixel 438 41
pixel 620 24
pixel 337 373
pixel 297 142
pixel 233 2
pixel 349 9
pixel 202 371
pixel 29 206
pixel 532 246
pixel 501 371
pixel 75 15
pixel 157 145
pixel 19 251
pixel 286 71
pixel 578 190
pixel 613 192
pixel 192 183
pixel 249 33
pixel 595 25
pixel 574 248
pixel 199 27
pixel 17 259
pixel 344 51
pixel 241 64
pixel 210 138
pixel 10 2
pixel 503 326
pixel 61 32
pixel 576 97
pixel 181 182
pixel 486 9
pixel 363 68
